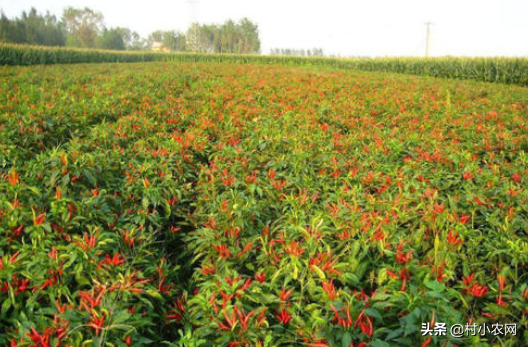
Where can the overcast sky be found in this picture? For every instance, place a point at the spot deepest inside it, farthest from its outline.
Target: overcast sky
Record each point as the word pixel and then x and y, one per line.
pixel 340 27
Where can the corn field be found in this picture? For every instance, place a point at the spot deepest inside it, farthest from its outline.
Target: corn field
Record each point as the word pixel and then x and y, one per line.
pixel 498 70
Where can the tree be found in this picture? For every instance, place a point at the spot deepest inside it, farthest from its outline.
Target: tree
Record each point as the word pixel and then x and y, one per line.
pixel 230 37
pixel 11 31
pixel 83 26
pixel 114 38
pixel 315 52
pixel 250 37
pixel 172 40
pixel 52 30
pixel 207 38
pixel 192 37
pixel 32 28
pixel 136 42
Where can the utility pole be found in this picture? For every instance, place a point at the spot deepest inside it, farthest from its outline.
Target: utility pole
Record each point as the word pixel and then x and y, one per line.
pixel 427 38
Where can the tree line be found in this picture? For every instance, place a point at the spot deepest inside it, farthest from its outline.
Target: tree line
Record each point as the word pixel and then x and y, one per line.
pixel 84 27
pixel 316 52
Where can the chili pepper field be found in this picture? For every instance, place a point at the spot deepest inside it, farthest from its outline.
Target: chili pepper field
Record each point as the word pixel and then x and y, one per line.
pixel 220 204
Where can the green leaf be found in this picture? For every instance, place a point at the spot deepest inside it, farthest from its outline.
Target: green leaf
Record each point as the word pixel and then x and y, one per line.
pixel 346 339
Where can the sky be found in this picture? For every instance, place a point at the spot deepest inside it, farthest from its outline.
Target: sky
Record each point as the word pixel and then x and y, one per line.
pixel 339 27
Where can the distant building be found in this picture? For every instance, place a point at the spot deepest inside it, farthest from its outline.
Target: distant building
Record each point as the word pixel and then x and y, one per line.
pixel 159 47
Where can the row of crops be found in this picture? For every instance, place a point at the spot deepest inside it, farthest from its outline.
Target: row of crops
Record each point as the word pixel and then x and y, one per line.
pixel 501 70
pixel 205 205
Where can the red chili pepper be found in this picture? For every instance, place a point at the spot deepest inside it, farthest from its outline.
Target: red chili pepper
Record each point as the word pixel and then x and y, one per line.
pixel 283 316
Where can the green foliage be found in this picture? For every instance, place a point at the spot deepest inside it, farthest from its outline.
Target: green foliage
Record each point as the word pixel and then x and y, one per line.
pixel 84 28
pixel 114 39
pixel 230 37
pixel 170 39
pixel 32 28
pixel 495 70
pixel 201 205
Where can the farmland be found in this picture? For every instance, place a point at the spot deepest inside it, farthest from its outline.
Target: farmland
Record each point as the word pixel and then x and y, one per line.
pixel 220 204
pixel 508 70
